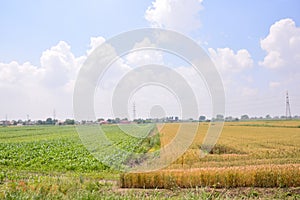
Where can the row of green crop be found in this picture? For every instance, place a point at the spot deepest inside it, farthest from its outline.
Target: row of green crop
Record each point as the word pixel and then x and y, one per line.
pixel 119 146
pixel 54 155
pixel 54 148
pixel 36 133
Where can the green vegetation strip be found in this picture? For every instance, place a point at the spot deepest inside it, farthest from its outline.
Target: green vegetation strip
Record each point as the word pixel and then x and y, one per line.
pixel 59 149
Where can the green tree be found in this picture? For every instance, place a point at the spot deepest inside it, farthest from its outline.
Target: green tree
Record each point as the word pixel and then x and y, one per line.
pixel 244 117
pixel 202 118
pixel 49 121
pixel 69 121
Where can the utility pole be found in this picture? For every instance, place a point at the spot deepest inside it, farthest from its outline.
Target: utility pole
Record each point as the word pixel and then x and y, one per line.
pixel 288 114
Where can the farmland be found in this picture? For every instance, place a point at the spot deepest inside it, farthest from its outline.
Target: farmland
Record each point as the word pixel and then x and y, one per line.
pixel 51 162
pixel 256 154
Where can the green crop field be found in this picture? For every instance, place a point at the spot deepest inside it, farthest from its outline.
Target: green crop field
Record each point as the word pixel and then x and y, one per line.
pixel 250 160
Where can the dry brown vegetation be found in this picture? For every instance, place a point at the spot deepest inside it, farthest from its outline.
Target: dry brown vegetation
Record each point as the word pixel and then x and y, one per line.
pixel 255 154
pixel 246 176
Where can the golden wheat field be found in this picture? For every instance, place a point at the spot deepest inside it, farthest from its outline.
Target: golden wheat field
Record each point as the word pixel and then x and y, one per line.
pixel 247 154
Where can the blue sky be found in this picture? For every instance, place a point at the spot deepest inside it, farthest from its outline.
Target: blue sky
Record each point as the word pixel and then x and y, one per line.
pixel 241 24
pixel 30 27
pixel 30 31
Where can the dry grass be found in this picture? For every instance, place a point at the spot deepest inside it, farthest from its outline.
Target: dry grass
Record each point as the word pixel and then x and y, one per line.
pixel 246 176
pixel 247 154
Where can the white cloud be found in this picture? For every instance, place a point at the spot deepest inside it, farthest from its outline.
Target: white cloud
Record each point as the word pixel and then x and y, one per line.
pixel 94 43
pixel 234 70
pixel 282 45
pixel 37 90
pixel 14 73
pixel 227 61
pixel 178 15
pixel 59 65
pixel 199 87
pixel 143 57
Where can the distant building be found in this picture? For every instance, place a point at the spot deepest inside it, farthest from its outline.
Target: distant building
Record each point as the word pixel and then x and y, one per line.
pixel 124 122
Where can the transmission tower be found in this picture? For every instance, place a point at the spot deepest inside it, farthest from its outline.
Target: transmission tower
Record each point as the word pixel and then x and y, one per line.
pixel 287 107
pixel 134 111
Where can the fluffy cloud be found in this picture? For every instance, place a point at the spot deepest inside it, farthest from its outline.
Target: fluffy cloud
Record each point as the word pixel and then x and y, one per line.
pixel 14 73
pixel 37 90
pixel 142 57
pixel 94 43
pixel 282 45
pixel 227 61
pixel 175 14
pixel 234 70
pixel 59 65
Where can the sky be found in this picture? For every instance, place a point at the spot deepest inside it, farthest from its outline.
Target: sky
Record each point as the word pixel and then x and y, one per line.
pixel 255 46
